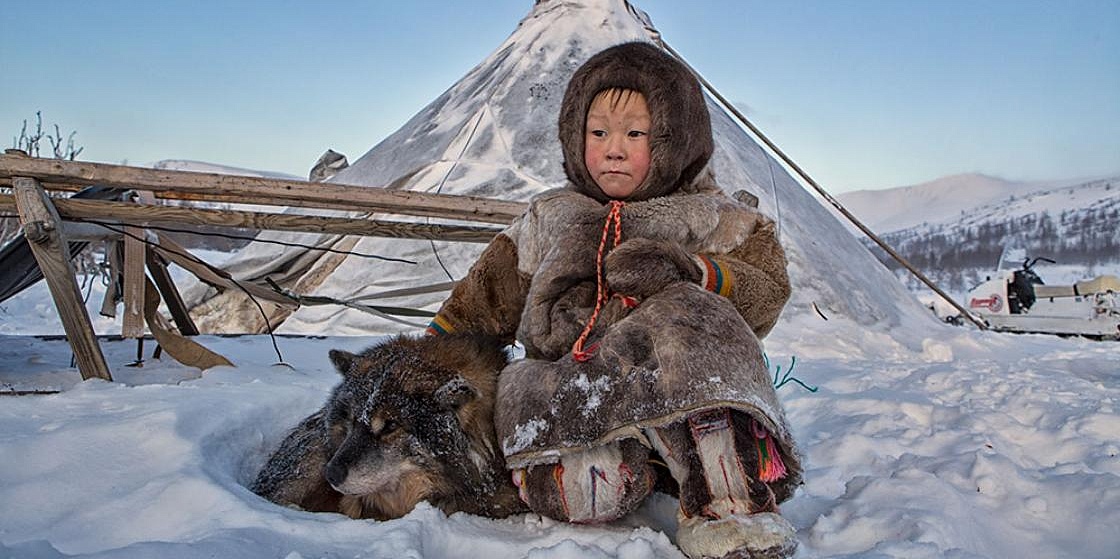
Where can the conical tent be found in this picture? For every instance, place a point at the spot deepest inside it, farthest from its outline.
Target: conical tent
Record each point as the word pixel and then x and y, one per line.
pixel 494 134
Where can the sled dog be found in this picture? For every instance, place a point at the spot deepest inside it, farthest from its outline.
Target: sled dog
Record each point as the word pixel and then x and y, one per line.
pixel 412 420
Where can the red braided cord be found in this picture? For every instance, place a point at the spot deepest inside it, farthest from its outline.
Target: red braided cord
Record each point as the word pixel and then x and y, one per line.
pixel 613 217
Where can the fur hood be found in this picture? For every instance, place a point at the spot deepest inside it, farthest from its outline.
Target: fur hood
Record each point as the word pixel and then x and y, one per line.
pixel 681 135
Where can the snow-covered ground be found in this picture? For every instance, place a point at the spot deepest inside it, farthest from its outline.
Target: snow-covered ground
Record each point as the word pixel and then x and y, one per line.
pixel 972 445
pixel 922 440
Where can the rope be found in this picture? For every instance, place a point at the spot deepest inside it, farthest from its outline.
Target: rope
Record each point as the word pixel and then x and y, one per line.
pixel 216 270
pixel 614 220
pixel 781 380
pixel 439 189
pixel 383 311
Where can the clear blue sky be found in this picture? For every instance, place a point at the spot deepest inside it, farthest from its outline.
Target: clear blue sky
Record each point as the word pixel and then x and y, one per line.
pixel 862 93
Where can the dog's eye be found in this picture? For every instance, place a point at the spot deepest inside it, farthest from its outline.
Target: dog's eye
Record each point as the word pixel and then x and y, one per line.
pixel 388 428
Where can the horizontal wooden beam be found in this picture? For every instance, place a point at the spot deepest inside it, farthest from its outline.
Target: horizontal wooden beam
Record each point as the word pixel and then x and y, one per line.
pixel 259 190
pixel 343 205
pixel 6 182
pixel 148 215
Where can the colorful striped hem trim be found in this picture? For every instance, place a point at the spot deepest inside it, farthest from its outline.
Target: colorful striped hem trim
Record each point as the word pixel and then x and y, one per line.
pixel 715 279
pixel 439 326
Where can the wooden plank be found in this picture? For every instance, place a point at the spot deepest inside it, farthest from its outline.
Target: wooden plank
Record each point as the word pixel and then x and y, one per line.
pixel 42 229
pixel 144 215
pixel 264 190
pixel 175 305
pixel 174 252
pixel 49 186
pixel 182 349
pixel 133 321
pixel 135 257
pixel 409 291
pixel 340 205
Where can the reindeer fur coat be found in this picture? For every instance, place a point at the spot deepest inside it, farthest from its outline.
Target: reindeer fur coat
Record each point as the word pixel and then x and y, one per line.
pixel 707 272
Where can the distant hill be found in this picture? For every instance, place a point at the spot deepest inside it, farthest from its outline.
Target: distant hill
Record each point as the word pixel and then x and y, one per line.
pixel 206 237
pixel 939 200
pixel 204 167
pixel 957 243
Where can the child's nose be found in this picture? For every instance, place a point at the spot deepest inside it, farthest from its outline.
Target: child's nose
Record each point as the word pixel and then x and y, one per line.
pixel 614 150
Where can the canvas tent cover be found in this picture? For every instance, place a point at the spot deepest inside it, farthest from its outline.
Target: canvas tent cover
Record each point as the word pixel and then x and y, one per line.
pixel 494 134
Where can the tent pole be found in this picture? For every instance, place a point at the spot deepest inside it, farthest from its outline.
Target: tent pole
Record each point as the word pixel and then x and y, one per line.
pixel 820 190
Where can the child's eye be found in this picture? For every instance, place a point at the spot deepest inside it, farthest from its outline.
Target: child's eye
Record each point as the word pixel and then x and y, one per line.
pixel 636 133
pixel 598 133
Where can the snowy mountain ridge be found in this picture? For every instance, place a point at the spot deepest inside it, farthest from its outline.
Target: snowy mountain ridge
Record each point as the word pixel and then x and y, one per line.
pixel 207 167
pixel 1078 226
pixel 945 198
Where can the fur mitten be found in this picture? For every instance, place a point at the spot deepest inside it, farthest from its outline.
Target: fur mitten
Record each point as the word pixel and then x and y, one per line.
pixel 561 296
pixel 641 267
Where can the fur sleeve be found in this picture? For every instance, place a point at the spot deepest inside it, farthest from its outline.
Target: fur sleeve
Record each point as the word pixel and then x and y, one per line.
pixel 490 298
pixel 752 276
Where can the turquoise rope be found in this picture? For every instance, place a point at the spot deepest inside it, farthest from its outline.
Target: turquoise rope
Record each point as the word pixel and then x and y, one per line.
pixel 781 380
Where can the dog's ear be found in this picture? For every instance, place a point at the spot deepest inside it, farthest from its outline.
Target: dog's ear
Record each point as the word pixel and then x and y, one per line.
pixel 342 360
pixel 455 393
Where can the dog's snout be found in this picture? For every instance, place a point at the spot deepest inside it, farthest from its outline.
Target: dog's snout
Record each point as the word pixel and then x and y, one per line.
pixel 335 474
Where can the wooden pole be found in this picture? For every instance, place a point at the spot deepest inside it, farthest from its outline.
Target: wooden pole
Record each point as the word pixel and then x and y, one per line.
pixel 157 268
pixel 258 190
pixel 132 325
pixel 160 276
pixel 42 227
pixel 147 216
pixel 172 251
pixel 135 256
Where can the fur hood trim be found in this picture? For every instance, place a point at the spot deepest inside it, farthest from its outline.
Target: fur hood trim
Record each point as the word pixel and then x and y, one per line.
pixel 681 136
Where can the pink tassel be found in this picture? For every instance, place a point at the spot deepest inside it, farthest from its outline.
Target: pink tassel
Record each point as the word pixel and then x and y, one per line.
pixel 770 465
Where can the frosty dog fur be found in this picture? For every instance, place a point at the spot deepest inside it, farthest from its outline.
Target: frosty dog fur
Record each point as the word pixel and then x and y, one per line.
pixel 412 420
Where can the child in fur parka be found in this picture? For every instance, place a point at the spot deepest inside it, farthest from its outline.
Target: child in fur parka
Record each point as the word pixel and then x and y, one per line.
pixel 640 291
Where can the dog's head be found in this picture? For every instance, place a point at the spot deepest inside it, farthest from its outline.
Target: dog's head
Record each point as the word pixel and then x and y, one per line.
pixel 413 419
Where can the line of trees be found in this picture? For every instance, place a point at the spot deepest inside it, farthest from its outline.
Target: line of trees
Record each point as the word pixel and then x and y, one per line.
pixel 955 256
pixel 31 142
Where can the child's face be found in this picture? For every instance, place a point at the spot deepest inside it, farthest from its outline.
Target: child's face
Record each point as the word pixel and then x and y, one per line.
pixel 616 140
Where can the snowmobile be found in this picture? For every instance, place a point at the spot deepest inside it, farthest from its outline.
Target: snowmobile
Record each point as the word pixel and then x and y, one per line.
pixel 1019 301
